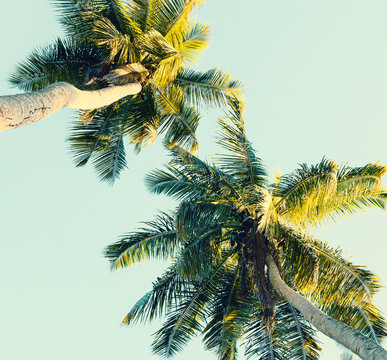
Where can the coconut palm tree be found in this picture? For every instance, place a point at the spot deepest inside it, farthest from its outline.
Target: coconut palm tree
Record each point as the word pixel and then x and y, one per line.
pixel 126 65
pixel 244 268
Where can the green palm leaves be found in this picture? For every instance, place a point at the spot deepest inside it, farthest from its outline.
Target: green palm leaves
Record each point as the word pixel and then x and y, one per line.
pixel 64 60
pixel 103 38
pixel 216 284
pixel 327 191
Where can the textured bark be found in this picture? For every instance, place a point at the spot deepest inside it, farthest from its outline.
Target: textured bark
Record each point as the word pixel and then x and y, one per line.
pixel 359 344
pixel 22 109
pixel 268 306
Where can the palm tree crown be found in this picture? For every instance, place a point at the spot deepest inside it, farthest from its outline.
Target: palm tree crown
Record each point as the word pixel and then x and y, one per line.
pixel 114 42
pixel 230 218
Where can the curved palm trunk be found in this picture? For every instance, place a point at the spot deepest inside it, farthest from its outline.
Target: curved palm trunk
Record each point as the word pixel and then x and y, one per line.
pixel 359 344
pixel 22 109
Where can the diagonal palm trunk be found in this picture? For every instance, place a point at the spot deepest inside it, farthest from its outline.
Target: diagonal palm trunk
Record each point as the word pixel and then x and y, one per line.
pixel 22 109
pixel 359 344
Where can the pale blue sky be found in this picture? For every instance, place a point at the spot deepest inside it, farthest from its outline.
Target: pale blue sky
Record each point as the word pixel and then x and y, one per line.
pixel 316 76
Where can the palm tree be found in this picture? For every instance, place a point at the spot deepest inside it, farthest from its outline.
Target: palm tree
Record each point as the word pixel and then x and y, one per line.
pixel 126 65
pixel 244 268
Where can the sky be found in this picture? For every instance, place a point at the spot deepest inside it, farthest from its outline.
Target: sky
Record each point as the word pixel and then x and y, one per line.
pixel 316 85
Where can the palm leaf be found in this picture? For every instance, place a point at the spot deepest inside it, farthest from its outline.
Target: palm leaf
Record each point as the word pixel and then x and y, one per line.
pixel 293 337
pixel 178 120
pixel 156 46
pixel 159 52
pixel 201 247
pixel 340 289
pixel 300 261
pixel 86 138
pixel 187 176
pixel 212 88
pixel 111 160
pixel 158 240
pixel 326 191
pixel 260 344
pixel 296 335
pixel 170 16
pixel 366 319
pixel 358 188
pixel 64 60
pixel 229 312
pixel 140 11
pixel 78 17
pixel 143 119
pixel 120 13
pixel 355 283
pixel 181 325
pixel 101 140
pixel 120 47
pixel 242 163
pixel 185 319
pixel 164 294
pixel 192 39
pixel 302 192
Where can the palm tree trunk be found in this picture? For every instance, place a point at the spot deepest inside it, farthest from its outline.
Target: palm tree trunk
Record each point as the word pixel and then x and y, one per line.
pixel 359 344
pixel 22 109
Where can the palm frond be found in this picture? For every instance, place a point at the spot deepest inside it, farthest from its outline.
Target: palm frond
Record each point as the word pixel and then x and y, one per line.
pixel 229 312
pixel 359 188
pixel 120 47
pixel 201 245
pixel 300 261
pixel 156 46
pixel 166 292
pixel 192 39
pixel 326 191
pixel 86 138
pixel 143 119
pixel 140 11
pixel 242 163
pixel 297 336
pixel 185 319
pixel 189 177
pixel 355 283
pixel 293 338
pixel 260 344
pixel 170 16
pixel 301 193
pixel 111 160
pixel 159 52
pixel 178 120
pixel 169 183
pixel 64 60
pixel 212 88
pixel 78 16
pixel 365 318
pixel 158 240
pixel 181 325
pixel 339 288
pixel 101 140
pixel 120 14
pixel 196 218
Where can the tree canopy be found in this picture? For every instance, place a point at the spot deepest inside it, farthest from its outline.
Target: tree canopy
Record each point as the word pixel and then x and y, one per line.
pixel 113 42
pixel 228 217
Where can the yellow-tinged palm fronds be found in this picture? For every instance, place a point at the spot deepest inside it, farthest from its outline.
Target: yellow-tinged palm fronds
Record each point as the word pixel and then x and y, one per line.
pixel 105 38
pixel 327 191
pixel 228 218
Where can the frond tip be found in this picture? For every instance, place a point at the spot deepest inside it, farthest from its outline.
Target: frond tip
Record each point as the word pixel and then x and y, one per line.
pixel 157 240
